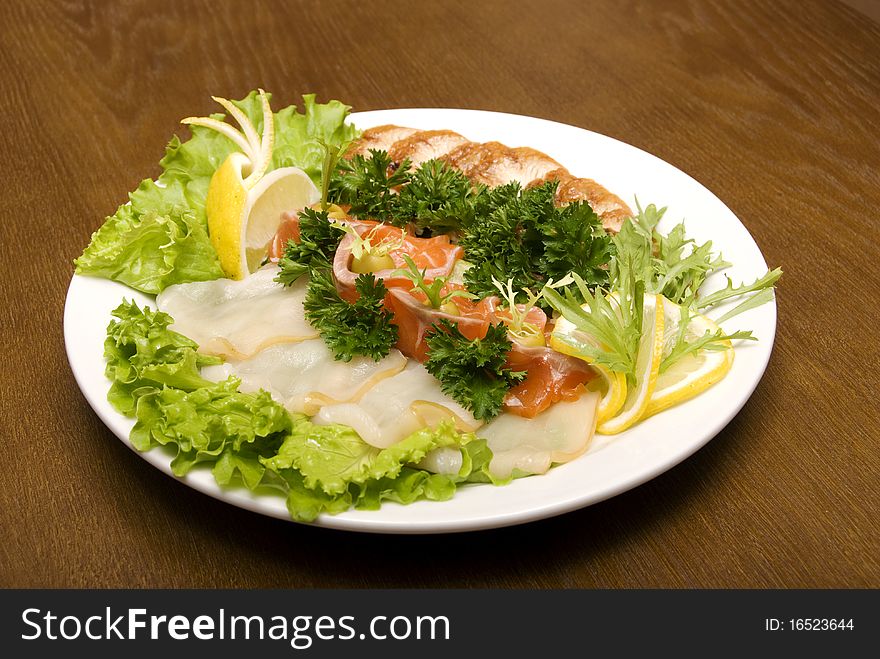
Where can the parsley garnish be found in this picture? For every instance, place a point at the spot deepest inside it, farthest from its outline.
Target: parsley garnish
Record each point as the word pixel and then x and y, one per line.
pixel 368 186
pixel 525 238
pixel 439 199
pixel 507 232
pixel 472 372
pixel 362 328
pixel 319 238
pixel 575 241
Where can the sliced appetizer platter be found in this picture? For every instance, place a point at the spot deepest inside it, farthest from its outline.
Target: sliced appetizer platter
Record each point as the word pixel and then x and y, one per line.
pixel 350 312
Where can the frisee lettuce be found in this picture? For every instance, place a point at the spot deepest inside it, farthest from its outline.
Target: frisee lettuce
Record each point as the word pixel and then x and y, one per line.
pixel 644 262
pixel 433 291
pixel 681 346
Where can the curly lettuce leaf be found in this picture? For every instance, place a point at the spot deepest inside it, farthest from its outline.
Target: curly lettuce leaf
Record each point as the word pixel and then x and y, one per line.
pixel 407 486
pixel 330 468
pixel 142 353
pixel 305 504
pixel 151 252
pixel 251 439
pixel 332 457
pixel 216 424
pixel 299 140
pixel 320 469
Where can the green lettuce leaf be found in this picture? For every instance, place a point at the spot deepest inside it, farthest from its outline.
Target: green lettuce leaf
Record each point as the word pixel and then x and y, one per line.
pixel 251 439
pixel 160 237
pixel 320 469
pixel 305 504
pixel 298 143
pixel 330 468
pixel 216 424
pixel 151 252
pixel 406 486
pixel 300 137
pixel 333 457
pixel 142 353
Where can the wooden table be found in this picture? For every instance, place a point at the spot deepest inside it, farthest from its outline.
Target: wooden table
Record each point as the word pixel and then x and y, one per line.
pixel 773 106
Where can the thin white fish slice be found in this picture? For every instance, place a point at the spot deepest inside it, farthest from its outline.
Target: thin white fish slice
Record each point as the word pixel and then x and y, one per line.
pixel 304 376
pixel 398 406
pixel 237 319
pixel 531 446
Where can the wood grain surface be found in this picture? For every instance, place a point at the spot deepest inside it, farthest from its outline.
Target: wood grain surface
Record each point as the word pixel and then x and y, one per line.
pixel 772 106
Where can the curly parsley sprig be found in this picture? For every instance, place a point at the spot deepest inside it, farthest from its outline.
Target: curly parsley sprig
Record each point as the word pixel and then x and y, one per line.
pixel 368 185
pixel 361 328
pixel 318 239
pixel 472 372
pixel 528 240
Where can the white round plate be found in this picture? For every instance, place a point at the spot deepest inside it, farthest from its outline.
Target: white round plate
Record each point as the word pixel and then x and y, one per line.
pixel 613 464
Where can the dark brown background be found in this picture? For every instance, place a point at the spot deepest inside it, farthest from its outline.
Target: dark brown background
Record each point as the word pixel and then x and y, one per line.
pixel 773 106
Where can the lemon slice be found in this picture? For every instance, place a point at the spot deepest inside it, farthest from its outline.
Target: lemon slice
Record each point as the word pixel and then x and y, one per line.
pixel 244 203
pixel 569 340
pixel 281 190
pixel 647 369
pixel 692 374
pixel 241 222
pixel 613 394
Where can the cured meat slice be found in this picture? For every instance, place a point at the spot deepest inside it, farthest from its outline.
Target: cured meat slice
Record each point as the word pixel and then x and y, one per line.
pixel 607 205
pixel 437 256
pixel 380 138
pixel 494 164
pixel 414 320
pixel 553 377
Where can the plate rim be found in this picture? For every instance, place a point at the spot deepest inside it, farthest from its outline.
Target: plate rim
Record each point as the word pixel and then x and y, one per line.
pixel 240 498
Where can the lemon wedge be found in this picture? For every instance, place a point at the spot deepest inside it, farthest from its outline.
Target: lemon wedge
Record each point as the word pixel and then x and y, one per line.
pixel 241 222
pixel 569 340
pixel 647 369
pixel 692 374
pixel 244 204
pixel 224 206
